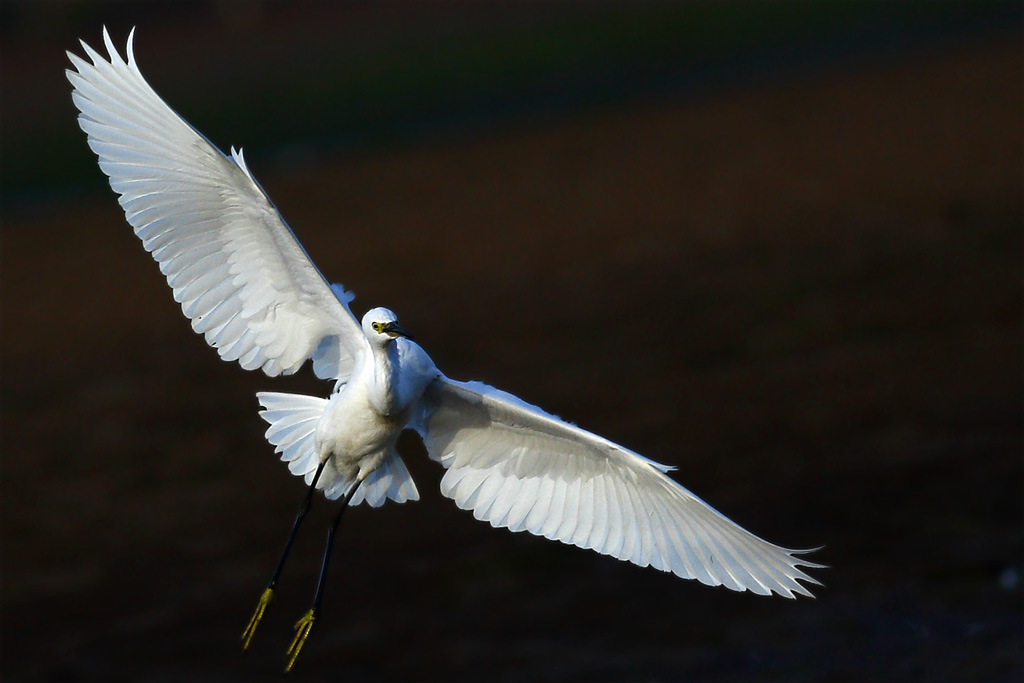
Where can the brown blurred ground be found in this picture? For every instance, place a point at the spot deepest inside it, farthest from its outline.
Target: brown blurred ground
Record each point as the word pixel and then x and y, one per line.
pixel 806 297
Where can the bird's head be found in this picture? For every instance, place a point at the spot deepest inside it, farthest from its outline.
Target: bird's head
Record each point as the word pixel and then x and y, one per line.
pixel 380 326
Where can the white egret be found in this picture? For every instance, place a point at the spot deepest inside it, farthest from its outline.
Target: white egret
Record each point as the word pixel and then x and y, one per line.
pixel 249 287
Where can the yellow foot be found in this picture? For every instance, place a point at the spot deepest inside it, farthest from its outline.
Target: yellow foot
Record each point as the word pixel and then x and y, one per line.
pixel 302 628
pixel 257 617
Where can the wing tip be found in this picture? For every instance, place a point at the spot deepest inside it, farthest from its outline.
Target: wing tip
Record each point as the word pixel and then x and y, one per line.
pixel 112 52
pixel 130 50
pixel 238 156
pixel 801 562
pixel 109 43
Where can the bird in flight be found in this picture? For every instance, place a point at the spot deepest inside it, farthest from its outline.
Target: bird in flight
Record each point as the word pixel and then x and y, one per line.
pixel 248 286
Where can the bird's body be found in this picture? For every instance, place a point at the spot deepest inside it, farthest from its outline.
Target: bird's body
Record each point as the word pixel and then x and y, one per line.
pixel 355 435
pixel 249 287
pixel 365 416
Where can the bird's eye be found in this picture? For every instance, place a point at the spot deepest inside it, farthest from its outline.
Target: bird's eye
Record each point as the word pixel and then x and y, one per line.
pixel 376 327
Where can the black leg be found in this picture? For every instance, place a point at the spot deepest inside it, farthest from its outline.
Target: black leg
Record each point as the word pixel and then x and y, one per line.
pixel 305 624
pixel 268 594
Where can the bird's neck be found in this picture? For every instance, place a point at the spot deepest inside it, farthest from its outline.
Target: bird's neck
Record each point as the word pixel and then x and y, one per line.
pixel 383 389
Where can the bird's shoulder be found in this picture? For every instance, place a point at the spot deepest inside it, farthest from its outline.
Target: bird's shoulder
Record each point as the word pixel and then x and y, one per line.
pixel 414 361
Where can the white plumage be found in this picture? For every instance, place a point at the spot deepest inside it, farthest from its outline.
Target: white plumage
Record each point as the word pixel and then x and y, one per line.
pixel 249 287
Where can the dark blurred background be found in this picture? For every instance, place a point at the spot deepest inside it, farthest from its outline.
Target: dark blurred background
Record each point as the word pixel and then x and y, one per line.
pixel 819 204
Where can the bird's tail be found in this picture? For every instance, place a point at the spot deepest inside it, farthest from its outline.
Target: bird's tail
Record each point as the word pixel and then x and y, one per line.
pixel 293 419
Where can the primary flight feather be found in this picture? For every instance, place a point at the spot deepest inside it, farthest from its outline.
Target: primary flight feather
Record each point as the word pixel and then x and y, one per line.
pixel 251 290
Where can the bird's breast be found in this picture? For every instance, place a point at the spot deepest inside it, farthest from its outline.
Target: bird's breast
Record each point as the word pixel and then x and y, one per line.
pixel 352 427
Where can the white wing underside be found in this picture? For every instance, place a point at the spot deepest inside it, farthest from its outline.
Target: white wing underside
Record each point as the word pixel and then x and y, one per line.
pixel 518 467
pixel 235 267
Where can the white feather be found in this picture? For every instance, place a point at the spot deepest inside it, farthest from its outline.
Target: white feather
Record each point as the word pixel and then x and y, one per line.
pixel 186 201
pixel 293 419
pixel 554 479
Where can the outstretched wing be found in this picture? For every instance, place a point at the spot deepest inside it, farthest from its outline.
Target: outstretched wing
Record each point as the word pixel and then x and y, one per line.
pixel 518 467
pixel 235 267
